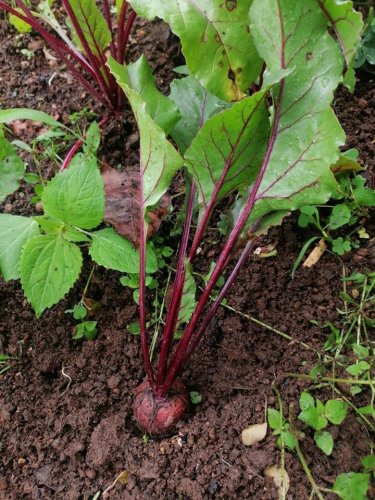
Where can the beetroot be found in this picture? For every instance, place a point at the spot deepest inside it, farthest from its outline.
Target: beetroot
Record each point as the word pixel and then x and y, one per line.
pixel 157 415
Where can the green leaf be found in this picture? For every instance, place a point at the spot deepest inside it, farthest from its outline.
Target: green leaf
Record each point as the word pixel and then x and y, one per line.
pixel 92 140
pixel 368 463
pixel 195 397
pixel 335 411
pixel 275 419
pixel 12 169
pixel 306 401
pixel 196 105
pixel 367 410
pixel 216 41
pixel 161 109
pixel 15 231
pixel 365 197
pixel 53 226
pixel 20 25
pixel 159 160
pixel 324 441
pixel 347 26
pixel 360 351
pixel 289 439
pixel 340 216
pixel 352 486
pixel 79 311
pixel 358 368
pixel 93 25
pixel 306 134
pixel 188 301
pixel 341 246
pixel 9 115
pixel 110 250
pixel 49 268
pixel 228 150
pixel 76 195
pixel 86 329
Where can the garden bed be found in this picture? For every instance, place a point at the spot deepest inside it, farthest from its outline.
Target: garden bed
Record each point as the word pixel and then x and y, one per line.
pixel 66 425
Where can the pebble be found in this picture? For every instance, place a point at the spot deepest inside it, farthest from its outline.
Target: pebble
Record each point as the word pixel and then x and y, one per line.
pixel 90 473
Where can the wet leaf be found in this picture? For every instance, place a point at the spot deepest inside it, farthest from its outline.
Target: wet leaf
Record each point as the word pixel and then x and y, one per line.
pixel 216 41
pixel 122 204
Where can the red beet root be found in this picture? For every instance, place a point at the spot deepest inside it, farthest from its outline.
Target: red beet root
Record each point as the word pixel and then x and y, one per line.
pixel 159 416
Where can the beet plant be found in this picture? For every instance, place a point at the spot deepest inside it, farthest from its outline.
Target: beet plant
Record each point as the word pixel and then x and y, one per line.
pixel 252 122
pixel 93 34
pixel 274 149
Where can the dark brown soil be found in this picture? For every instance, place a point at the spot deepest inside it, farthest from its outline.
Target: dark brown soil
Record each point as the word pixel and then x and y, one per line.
pixel 66 425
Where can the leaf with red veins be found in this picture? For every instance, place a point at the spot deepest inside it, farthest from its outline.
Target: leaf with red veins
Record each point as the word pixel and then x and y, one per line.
pixel 306 135
pixel 347 25
pixel 122 204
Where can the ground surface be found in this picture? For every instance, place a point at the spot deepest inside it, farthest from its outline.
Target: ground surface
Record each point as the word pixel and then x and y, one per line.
pixel 68 440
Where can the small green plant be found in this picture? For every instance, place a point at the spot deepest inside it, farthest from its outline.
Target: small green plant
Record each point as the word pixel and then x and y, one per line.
pixel 349 216
pixel 365 57
pixel 317 415
pixel 281 428
pixel 44 251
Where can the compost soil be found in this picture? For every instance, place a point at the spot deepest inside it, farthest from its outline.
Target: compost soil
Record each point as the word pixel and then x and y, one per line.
pixel 66 424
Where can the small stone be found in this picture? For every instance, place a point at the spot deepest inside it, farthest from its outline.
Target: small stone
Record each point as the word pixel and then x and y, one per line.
pixel 8 207
pixel 90 473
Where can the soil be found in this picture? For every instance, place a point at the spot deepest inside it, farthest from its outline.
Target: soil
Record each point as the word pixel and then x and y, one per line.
pixel 66 425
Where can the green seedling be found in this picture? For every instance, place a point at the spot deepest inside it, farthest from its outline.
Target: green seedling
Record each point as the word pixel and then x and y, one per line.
pixel 317 415
pixel 281 428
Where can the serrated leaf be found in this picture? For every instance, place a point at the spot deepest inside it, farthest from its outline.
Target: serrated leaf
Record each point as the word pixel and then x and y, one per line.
pixel 324 441
pixel 306 134
pixel 12 169
pixel 112 251
pixel 49 268
pixel 93 25
pixel 352 486
pixel 347 26
pixel 216 41
pixel 159 160
pixel 161 109
pixel 196 105
pixel 228 150
pixel 76 195
pixel 15 231
pixel 53 226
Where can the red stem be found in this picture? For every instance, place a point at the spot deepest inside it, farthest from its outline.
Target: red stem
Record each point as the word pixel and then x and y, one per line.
pixel 180 353
pixel 77 145
pixel 49 37
pixel 91 57
pixel 125 37
pixel 108 18
pixel 142 291
pixel 60 48
pixel 121 29
pixel 214 307
pixel 177 292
